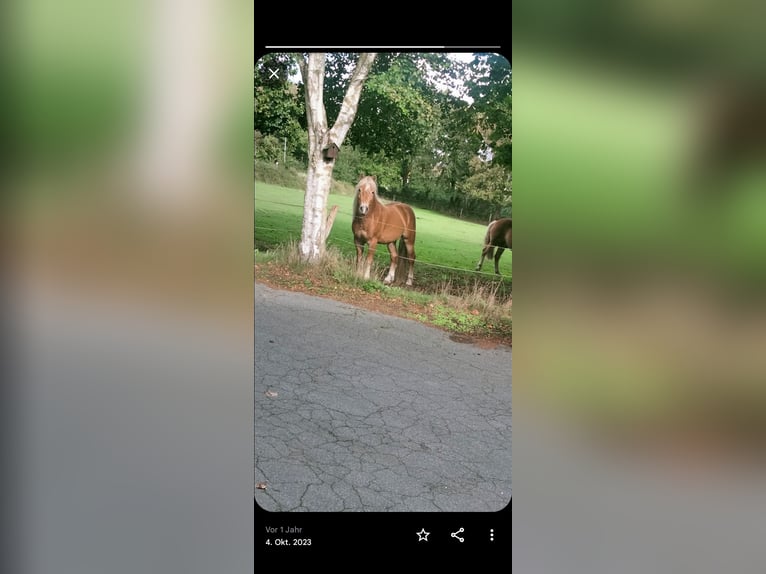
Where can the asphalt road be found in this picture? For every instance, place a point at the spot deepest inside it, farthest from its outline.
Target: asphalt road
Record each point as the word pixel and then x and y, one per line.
pixel 360 411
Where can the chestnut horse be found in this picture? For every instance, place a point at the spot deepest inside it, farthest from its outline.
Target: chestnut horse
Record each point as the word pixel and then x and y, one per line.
pixel 375 222
pixel 498 236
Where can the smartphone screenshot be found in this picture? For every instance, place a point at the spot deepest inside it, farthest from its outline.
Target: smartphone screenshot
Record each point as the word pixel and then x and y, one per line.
pixel 383 300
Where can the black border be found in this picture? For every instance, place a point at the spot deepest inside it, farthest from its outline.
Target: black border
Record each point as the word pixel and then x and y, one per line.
pixel 486 532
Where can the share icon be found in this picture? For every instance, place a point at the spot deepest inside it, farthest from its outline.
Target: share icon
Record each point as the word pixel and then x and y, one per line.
pixel 455 535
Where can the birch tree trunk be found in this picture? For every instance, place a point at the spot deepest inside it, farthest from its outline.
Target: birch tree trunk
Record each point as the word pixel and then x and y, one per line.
pixel 316 224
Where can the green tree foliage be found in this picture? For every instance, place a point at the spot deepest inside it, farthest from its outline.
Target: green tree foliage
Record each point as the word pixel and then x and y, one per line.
pixel 354 162
pixel 400 106
pixel 279 108
pixel 267 148
pixel 394 112
pixel 489 182
pixel 436 131
pixel 491 90
pixel 456 142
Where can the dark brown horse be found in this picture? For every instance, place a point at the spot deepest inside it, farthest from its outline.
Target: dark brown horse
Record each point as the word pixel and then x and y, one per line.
pixel 375 222
pixel 499 236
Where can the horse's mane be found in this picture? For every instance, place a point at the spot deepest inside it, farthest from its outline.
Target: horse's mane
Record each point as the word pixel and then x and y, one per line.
pixel 355 209
pixel 365 180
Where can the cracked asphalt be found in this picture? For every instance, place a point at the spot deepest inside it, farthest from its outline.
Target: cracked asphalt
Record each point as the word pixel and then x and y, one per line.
pixel 359 411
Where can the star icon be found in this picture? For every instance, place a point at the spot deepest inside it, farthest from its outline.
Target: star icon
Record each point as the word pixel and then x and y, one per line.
pixel 422 535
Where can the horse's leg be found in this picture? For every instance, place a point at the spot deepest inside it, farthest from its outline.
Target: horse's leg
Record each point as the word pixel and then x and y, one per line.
pixel 359 251
pixel 394 260
pixel 410 244
pixel 498 253
pixel 371 247
pixel 486 252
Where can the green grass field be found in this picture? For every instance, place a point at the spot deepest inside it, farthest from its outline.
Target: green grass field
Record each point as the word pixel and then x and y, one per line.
pixel 447 249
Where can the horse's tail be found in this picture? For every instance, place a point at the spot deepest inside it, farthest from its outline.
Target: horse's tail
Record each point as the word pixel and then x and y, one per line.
pixel 489 249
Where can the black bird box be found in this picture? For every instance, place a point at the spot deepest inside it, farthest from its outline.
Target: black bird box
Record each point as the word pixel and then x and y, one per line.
pixel 330 152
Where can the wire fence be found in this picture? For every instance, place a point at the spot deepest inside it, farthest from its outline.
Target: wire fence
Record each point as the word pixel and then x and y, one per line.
pixel 350 243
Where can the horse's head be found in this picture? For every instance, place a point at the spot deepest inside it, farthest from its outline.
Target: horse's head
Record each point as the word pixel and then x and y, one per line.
pixel 366 194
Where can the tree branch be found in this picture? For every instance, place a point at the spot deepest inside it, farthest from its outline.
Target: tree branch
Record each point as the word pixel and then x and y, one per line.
pixel 348 108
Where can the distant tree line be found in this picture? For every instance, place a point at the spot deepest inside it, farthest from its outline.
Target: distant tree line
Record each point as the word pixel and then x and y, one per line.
pixel 437 132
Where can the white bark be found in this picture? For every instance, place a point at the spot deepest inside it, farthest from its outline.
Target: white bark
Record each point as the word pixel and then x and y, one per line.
pixel 319 177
